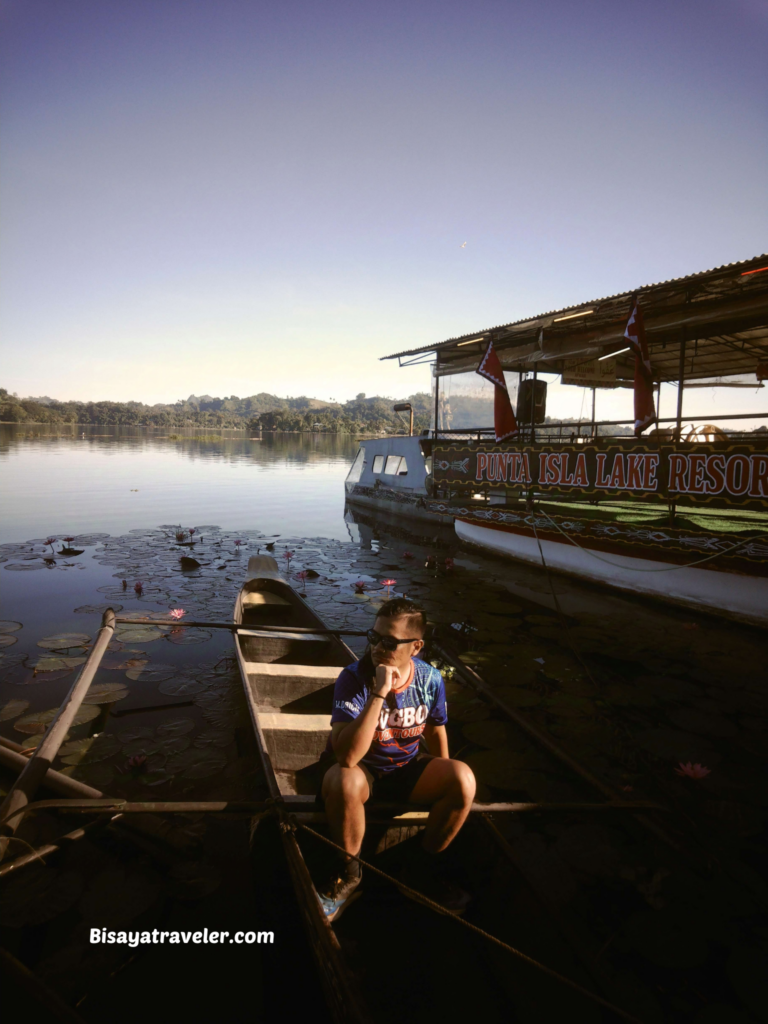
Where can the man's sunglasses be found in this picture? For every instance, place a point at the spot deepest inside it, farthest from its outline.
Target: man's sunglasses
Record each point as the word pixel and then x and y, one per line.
pixel 389 643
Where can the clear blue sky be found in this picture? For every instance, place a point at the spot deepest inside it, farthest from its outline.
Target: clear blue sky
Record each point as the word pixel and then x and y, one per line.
pixel 232 196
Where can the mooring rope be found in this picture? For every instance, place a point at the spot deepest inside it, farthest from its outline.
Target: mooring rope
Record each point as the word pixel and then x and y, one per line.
pixel 427 902
pixel 618 565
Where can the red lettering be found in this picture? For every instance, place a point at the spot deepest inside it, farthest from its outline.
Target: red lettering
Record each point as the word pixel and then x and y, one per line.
pixel 526 469
pixel 617 473
pixel 737 474
pixel 678 469
pixel 759 488
pixel 650 466
pixel 543 474
pixel 601 480
pixel 697 463
pixel 554 469
pixel 635 471
pixel 716 472
pixel 482 465
pixel 580 477
pixel 564 478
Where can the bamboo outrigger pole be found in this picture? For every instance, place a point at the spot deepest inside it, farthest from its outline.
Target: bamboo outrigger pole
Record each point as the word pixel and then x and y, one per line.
pixel 34 772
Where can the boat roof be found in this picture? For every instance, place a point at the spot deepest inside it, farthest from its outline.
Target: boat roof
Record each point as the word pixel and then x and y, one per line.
pixel 721 314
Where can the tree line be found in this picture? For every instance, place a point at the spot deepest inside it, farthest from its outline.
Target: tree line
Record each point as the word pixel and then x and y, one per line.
pixel 258 412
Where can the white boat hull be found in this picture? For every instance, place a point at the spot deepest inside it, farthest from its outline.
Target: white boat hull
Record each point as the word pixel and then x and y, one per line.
pixel 736 595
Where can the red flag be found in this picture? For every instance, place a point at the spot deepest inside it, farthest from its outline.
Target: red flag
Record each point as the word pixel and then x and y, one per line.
pixel 645 412
pixel 505 424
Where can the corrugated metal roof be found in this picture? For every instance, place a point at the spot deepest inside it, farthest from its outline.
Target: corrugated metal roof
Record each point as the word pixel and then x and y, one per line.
pixel 532 320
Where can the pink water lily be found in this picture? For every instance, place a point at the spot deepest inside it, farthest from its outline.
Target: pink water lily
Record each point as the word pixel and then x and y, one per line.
pixel 303 577
pixel 408 554
pixel 388 584
pixel 449 563
pixel 288 555
pixel 360 586
pixel 138 586
pixel 177 613
pixel 191 531
pixel 693 771
pixel 51 541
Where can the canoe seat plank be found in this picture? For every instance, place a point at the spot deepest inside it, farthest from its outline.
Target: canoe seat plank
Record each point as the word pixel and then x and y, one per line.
pixel 258 598
pixel 277 684
pixel 294 741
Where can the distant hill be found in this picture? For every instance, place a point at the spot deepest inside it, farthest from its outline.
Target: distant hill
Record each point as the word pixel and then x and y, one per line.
pixel 262 411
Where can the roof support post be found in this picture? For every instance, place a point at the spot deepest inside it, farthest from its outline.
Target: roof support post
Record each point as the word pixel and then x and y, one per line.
pixel 437 396
pixel 680 386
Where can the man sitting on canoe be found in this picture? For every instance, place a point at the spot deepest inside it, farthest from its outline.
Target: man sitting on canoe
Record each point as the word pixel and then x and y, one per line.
pixel 382 706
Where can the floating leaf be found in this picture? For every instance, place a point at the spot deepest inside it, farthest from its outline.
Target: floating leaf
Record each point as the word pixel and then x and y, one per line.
pixel 12 709
pixel 90 749
pixel 59 641
pixel 105 693
pixel 8 626
pixel 138 634
pixel 98 609
pixel 192 881
pixel 214 738
pixel 6 640
pixel 39 721
pixel 116 896
pixel 144 745
pixel 57 664
pixel 136 732
pixel 185 637
pixel 210 764
pixel 97 775
pixel 147 672
pixel 175 727
pixel 37 895
pixel 24 566
pixel 182 687
pixel 174 745
pixel 665 938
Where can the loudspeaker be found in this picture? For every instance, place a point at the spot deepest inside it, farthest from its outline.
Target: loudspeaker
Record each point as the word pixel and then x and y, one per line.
pixel 537 389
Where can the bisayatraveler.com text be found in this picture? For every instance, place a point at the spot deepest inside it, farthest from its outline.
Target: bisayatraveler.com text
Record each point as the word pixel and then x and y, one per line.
pixel 157 938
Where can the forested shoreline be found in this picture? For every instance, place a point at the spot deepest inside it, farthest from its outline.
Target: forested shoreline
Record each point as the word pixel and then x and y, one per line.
pixel 262 411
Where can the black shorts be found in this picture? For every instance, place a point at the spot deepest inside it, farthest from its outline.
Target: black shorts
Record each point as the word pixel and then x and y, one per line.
pixel 390 787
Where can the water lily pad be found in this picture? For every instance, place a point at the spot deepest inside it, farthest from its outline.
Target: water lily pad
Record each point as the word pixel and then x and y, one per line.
pixel 182 687
pixel 192 881
pixel 7 640
pixel 39 721
pixel 175 727
pixel 214 738
pixel 664 938
pixel 136 732
pixel 98 609
pixel 149 672
pixel 174 745
pixel 8 626
pixel 695 720
pixel 90 749
pixel 209 763
pixel 12 709
pixel 457 694
pixel 672 745
pixel 37 895
pixel 116 896
pixel 518 696
pixel 105 693
pixel 141 746
pixel 185 637
pixel 59 641
pixel 24 566
pixel 57 664
pixel 138 634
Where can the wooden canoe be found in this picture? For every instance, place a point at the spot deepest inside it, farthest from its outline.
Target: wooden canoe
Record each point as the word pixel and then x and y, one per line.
pixel 288 681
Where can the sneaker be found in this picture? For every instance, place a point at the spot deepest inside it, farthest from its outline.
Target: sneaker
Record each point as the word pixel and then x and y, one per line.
pixel 440 890
pixel 338 895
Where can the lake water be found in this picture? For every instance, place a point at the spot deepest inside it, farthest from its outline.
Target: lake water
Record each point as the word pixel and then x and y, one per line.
pixel 631 689
pixel 115 479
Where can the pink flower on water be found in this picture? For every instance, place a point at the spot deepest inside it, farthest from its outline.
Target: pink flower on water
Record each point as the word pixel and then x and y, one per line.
pixel 191 531
pixel 303 577
pixel 388 584
pixel 138 586
pixel 67 540
pixel 238 543
pixel 359 586
pixel 136 764
pixel 449 564
pixel 693 771
pixel 177 613
pixel 288 555
pixel 408 554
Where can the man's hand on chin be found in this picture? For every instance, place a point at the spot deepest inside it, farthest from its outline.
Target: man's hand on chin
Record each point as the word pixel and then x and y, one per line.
pixel 387 676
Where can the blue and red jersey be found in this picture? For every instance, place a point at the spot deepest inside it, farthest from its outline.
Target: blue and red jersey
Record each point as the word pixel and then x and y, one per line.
pixel 401 720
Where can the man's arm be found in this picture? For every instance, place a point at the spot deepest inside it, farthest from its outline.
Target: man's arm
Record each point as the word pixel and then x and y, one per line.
pixel 351 741
pixel 436 738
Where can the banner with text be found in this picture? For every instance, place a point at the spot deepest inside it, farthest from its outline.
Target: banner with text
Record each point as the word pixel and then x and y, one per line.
pixel 714 474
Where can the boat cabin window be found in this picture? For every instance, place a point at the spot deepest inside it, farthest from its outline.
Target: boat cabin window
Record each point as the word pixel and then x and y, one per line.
pixel 356 469
pixel 378 463
pixel 393 465
pixel 403 470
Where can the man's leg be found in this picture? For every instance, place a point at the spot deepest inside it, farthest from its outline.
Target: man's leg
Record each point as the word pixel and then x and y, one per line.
pixel 345 792
pixel 450 787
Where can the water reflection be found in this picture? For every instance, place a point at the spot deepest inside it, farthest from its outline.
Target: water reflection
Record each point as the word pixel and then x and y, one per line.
pixel 81 478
